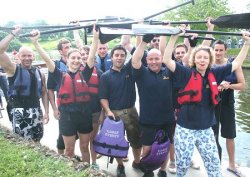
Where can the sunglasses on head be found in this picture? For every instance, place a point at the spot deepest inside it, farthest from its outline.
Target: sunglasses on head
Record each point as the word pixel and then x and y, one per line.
pixel 154 40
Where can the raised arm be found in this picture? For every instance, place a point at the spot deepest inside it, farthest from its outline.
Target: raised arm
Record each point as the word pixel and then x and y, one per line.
pixel 93 47
pixel 163 39
pixel 126 42
pixel 5 60
pixel 167 57
pixel 210 27
pixel 77 39
pixel 243 52
pixel 49 62
pixel 138 54
pixel 192 41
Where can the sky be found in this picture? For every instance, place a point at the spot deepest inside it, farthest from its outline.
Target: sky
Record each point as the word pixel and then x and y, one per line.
pixel 61 11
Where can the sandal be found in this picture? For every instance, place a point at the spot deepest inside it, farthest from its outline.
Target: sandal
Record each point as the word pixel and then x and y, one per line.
pixel 236 171
pixel 172 167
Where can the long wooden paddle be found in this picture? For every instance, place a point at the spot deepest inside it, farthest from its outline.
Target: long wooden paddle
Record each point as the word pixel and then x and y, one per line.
pixel 226 21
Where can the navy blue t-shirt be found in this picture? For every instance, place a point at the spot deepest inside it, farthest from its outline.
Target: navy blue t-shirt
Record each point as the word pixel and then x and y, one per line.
pixel 118 88
pixel 155 94
pixel 200 115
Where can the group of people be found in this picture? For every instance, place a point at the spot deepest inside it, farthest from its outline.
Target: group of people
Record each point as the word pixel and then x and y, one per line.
pixel 181 88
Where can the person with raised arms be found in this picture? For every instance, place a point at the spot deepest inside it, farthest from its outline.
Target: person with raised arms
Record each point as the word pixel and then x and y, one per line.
pixel 73 95
pixel 26 87
pixel 155 87
pixel 198 94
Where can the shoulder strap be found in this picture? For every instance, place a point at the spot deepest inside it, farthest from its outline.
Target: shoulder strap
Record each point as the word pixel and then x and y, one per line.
pixel 57 63
pixel 160 135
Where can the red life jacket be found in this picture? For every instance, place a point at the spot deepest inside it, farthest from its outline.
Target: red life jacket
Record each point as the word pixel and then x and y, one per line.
pixel 192 93
pixel 73 90
pixel 94 83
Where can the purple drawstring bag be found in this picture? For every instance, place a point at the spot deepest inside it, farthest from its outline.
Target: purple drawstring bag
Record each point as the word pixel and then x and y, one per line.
pixel 158 153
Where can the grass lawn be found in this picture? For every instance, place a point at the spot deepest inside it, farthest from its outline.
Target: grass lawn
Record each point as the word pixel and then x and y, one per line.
pixel 18 158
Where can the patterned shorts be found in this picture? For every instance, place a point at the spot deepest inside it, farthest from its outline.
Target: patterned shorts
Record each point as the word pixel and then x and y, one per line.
pixel 28 122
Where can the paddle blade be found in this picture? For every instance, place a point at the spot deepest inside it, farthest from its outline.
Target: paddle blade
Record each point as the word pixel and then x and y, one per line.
pixel 233 21
pixel 119 31
pixel 140 29
pixel 108 34
pixel 104 38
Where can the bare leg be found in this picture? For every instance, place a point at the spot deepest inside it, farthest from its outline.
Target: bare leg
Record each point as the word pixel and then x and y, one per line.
pixel 69 142
pixel 84 146
pixel 231 152
pixel 92 137
pixel 137 155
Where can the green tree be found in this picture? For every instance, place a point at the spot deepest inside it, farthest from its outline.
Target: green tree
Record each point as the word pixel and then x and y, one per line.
pixel 248 6
pixel 199 12
pixel 14 44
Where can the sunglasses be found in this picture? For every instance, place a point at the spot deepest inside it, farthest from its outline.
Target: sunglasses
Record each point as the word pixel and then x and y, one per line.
pixel 155 40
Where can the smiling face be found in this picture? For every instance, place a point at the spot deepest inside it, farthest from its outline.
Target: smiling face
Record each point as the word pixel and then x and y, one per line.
pixel 118 59
pixel 26 56
pixel 74 60
pixel 154 60
pixel 202 60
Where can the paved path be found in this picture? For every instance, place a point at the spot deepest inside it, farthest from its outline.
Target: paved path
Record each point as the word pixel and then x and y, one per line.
pixel 51 133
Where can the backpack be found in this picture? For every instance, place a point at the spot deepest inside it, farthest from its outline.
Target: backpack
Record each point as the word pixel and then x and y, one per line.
pixel 110 140
pixel 158 153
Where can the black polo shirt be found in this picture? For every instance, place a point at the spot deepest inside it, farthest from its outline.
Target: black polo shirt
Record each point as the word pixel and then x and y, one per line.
pixel 155 93
pixel 118 87
pixel 201 115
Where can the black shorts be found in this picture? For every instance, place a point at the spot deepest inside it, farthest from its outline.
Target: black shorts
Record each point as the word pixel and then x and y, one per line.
pixel 71 123
pixel 148 133
pixel 225 114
